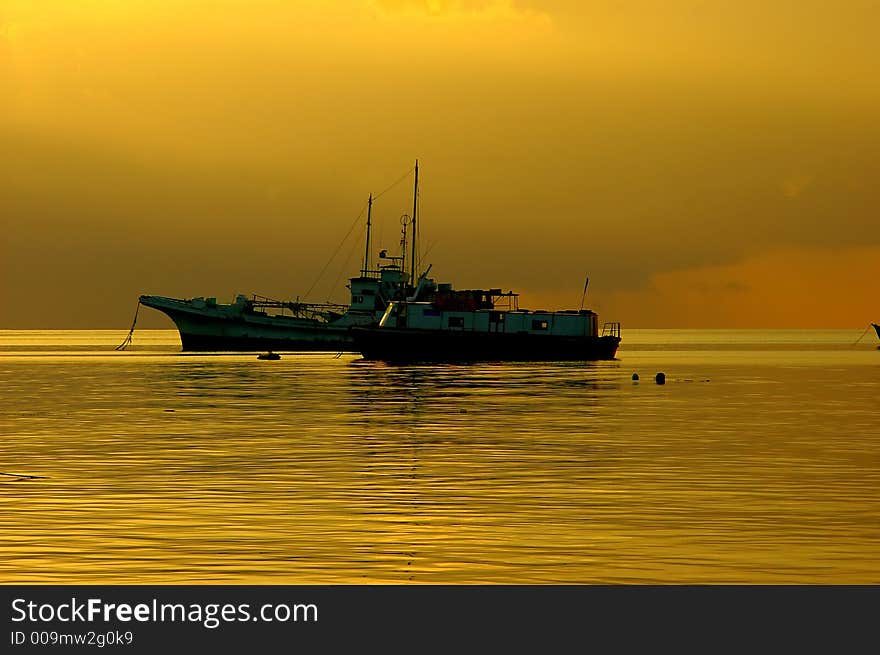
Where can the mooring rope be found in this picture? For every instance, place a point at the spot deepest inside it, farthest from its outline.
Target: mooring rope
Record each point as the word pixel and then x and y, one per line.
pixel 125 344
pixel 867 329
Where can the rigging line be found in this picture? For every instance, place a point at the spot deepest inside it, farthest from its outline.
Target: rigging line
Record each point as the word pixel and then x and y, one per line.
pixel 342 243
pixel 343 268
pixel 336 252
pixel 402 178
pixel 422 255
pixel 418 237
pixel 430 245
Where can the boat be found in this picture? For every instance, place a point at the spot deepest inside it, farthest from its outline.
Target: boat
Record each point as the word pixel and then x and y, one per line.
pixel 260 324
pixel 257 323
pixel 269 355
pixel 876 329
pixel 483 325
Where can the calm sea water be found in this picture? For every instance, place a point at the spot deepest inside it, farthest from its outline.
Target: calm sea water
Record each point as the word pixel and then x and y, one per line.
pixel 758 461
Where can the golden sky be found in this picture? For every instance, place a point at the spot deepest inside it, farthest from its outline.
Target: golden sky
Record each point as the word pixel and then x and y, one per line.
pixel 706 163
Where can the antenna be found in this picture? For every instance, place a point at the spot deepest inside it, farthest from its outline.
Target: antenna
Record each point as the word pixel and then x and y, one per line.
pixel 404 223
pixel 584 294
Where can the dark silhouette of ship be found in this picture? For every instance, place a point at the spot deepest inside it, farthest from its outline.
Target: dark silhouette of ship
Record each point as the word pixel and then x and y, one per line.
pixel 394 315
pixel 472 325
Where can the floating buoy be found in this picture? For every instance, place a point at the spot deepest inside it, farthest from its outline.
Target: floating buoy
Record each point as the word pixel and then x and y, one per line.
pixel 635 377
pixel 660 378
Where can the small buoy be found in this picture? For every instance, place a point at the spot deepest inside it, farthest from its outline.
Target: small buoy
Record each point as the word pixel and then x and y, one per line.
pixel 635 377
pixel 660 378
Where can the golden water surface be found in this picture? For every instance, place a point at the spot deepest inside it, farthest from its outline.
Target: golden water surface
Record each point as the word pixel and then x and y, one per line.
pixel 757 462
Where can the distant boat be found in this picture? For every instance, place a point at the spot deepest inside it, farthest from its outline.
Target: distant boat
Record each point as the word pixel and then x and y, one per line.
pixel 269 355
pixel 469 326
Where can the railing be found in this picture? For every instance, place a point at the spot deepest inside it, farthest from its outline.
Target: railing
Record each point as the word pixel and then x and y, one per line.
pixel 611 330
pixel 297 309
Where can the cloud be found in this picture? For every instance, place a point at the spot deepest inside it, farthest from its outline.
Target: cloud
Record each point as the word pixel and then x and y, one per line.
pixel 780 288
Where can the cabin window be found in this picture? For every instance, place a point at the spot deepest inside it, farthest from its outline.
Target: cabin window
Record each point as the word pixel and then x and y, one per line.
pixel 456 321
pixel 368 292
pixel 539 325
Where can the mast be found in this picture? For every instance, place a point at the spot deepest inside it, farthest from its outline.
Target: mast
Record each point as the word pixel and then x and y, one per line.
pixel 404 223
pixel 367 249
pixel 414 245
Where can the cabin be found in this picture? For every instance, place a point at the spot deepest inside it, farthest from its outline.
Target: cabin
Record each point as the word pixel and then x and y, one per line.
pixel 440 316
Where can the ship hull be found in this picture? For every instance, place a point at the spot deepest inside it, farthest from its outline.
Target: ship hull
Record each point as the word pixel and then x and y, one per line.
pixel 414 345
pixel 216 330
